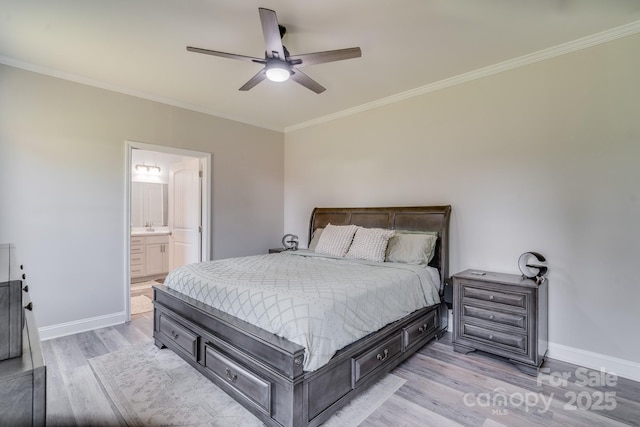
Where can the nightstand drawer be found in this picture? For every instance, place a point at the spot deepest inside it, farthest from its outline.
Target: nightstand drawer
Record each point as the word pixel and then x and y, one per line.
pixel 513 342
pixel 507 298
pixel 516 320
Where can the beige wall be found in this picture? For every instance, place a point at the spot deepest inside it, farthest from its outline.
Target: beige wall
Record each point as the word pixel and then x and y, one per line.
pixel 62 186
pixel 545 157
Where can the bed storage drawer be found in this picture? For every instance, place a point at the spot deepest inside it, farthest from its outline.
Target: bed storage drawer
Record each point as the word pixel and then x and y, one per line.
pixel 250 385
pixel 419 330
pixel 178 334
pixel 370 361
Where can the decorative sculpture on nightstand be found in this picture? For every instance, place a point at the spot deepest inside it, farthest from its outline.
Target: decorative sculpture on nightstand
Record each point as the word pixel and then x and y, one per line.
pixel 532 266
pixel 290 242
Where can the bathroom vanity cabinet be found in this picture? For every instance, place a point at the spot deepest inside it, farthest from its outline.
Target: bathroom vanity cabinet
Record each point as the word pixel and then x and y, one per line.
pixel 149 256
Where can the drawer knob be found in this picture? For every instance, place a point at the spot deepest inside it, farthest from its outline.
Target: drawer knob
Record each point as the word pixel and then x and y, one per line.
pixel 29 306
pixel 490 337
pixel 491 297
pixel 423 328
pixel 491 317
pixel 231 376
pixel 24 276
pixel 175 335
pixel 380 357
pixel 26 288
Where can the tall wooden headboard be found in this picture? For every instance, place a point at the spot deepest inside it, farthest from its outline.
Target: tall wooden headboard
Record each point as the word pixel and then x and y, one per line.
pixel 414 218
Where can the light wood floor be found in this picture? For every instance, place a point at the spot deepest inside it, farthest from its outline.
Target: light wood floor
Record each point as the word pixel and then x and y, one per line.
pixel 442 388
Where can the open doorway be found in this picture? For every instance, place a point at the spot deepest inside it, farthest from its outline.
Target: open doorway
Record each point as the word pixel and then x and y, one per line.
pixel 168 216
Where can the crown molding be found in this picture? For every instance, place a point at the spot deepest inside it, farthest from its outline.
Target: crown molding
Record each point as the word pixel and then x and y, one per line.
pixel 552 52
pixel 52 72
pixel 562 49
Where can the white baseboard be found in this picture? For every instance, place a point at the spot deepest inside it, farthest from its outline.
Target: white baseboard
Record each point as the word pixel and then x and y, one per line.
pixel 588 359
pixel 83 325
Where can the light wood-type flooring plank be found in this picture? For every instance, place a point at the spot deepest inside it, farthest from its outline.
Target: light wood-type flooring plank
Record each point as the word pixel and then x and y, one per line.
pixel 442 388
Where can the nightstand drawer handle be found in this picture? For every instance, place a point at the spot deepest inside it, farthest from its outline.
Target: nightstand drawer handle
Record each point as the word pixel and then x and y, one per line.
pixel 175 335
pixel 491 317
pixel 490 337
pixel 423 328
pixel 381 357
pixel 491 297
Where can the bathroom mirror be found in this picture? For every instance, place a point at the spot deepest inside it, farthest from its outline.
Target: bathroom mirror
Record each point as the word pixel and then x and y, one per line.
pixel 148 204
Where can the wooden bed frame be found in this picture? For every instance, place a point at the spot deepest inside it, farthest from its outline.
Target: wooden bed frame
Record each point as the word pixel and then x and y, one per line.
pixel 263 372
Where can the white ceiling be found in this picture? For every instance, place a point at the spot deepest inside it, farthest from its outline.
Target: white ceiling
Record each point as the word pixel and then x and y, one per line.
pixel 138 46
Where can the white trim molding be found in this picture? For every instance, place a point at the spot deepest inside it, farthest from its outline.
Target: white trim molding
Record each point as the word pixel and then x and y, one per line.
pixel 572 46
pixel 588 359
pixel 82 325
pixel 64 75
pixel 541 55
pixel 205 194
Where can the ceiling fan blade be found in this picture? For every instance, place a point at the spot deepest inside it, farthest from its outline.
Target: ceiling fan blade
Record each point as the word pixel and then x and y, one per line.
pixel 224 54
pixel 306 81
pixel 253 81
pixel 327 56
pixel 271 33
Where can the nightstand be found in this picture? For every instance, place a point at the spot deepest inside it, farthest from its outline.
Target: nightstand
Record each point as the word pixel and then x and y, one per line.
pixel 276 250
pixel 502 314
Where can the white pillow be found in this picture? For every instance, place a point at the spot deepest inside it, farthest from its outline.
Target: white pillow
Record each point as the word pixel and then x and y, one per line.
pixel 314 239
pixel 370 244
pixel 336 239
pixel 412 248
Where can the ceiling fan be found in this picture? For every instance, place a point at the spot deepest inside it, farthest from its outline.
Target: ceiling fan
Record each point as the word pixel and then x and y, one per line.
pixel 279 66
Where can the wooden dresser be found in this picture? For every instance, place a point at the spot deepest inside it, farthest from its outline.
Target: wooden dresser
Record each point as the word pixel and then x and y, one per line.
pixel 502 314
pixel 23 372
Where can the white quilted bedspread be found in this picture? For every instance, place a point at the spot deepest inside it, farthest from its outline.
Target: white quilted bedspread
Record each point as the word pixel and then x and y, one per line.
pixel 321 303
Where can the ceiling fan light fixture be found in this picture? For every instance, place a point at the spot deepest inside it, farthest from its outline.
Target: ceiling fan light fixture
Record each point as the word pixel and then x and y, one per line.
pixel 278 72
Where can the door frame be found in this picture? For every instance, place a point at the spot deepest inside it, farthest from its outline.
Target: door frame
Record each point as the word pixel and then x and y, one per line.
pixel 205 196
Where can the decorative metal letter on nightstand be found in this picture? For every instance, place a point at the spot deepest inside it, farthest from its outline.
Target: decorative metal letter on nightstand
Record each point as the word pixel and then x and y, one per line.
pixel 502 314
